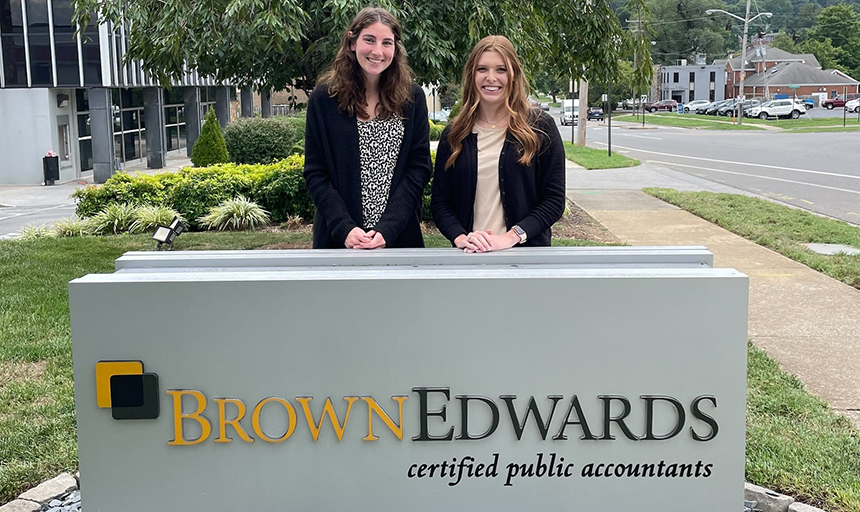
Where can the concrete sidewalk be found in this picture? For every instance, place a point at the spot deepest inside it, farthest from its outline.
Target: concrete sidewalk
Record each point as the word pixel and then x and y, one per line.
pixel 805 320
pixel 58 194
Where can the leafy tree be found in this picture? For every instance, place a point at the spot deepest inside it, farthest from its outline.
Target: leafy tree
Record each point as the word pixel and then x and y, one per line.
pixel 291 42
pixel 684 30
pixel 551 84
pixel 449 95
pixel 785 42
pixel 209 148
pixel 839 23
pixel 828 56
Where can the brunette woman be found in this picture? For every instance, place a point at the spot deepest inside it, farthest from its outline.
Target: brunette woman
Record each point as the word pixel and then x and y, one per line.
pixel 499 177
pixel 367 153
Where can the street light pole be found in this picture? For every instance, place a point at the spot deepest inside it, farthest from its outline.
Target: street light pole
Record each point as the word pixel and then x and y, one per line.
pixel 746 19
pixel 743 65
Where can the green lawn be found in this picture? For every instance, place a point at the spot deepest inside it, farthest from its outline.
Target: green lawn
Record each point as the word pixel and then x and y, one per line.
pixel 795 444
pixel 591 158
pixel 776 227
pixel 688 121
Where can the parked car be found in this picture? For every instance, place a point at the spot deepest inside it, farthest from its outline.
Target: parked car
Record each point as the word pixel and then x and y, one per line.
pixel 703 109
pixel 712 109
pixel 839 101
pixel 595 113
pixel 665 105
pixel 853 105
pixel 693 105
pixel 544 107
pixel 784 108
pixel 727 109
pixel 809 103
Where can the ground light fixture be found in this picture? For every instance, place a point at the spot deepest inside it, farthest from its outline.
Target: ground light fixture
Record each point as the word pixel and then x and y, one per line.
pixel 165 235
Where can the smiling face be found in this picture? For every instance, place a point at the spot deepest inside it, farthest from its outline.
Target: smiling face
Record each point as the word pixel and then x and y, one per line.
pixel 491 78
pixel 374 50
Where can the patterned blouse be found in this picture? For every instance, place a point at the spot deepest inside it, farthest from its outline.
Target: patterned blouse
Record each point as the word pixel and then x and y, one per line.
pixel 378 146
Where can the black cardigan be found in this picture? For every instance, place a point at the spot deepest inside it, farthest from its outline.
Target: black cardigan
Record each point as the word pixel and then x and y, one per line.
pixel 332 173
pixel 532 195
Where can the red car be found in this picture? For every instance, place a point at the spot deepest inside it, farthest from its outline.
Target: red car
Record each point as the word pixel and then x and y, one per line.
pixel 839 101
pixel 667 105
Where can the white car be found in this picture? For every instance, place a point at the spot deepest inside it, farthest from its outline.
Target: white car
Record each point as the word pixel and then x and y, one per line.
pixel 853 105
pixel 783 108
pixel 693 105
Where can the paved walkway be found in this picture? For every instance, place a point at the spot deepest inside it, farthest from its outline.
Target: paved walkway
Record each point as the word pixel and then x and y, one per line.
pixel 805 320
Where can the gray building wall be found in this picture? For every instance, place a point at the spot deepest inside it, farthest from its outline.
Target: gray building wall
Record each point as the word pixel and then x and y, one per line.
pixel 29 128
pixel 675 83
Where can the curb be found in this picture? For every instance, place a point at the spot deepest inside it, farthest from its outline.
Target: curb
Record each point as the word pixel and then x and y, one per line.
pixel 47 495
pixel 43 496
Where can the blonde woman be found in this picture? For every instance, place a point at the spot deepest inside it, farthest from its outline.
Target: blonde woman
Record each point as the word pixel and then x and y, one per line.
pixel 499 178
pixel 367 142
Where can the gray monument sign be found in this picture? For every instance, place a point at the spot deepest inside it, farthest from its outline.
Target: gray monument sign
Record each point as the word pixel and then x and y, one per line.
pixel 559 379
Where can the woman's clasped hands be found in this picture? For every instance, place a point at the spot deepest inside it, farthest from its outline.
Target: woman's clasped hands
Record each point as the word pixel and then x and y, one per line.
pixel 485 241
pixel 361 239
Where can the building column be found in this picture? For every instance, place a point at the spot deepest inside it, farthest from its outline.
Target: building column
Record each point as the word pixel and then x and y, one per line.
pixel 193 117
pixel 101 127
pixel 266 102
pixel 153 114
pixel 222 105
pixel 247 102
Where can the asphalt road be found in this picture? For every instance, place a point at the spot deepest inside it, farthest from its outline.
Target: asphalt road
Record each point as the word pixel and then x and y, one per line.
pixel 13 219
pixel 819 172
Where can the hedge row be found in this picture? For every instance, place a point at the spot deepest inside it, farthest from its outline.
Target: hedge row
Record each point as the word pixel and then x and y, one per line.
pixel 262 141
pixel 278 187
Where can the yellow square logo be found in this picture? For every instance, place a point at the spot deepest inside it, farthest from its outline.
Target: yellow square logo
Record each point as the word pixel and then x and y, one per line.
pixel 107 369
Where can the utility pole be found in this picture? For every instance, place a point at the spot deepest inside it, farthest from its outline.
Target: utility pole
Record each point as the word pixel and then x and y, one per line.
pixel 583 109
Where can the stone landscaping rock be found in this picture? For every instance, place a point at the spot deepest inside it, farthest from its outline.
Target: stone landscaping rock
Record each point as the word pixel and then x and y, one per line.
pixel 802 507
pixel 768 501
pixel 47 491
pixel 21 506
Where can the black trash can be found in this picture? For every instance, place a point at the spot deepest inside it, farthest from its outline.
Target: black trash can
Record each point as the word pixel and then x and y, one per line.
pixel 51 169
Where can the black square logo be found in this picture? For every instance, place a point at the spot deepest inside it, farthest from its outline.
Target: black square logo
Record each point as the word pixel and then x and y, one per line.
pixel 134 397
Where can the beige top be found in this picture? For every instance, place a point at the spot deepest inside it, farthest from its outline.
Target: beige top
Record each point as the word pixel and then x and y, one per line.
pixel 488 212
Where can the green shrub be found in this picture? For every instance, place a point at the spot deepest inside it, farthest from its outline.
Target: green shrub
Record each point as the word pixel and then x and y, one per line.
pixel 260 141
pixel 454 111
pixel 74 226
pixel 235 214
pixel 282 191
pixel 116 218
pixel 299 148
pixel 297 122
pixel 210 148
pixel 31 231
pixel 138 189
pixel 196 190
pixel 147 218
pixel 435 130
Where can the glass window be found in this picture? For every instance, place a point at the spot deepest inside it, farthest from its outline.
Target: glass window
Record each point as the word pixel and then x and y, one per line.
pixel 37 16
pixel 14 60
pixel 136 97
pixel 64 142
pixel 84 125
pixel 11 19
pixel 66 51
pixel 129 120
pixel 713 76
pixel 170 115
pixel 82 100
pixel 86 154
pixel 117 146
pixel 675 78
pixel 692 77
pixel 182 139
pixel 40 59
pixel 92 58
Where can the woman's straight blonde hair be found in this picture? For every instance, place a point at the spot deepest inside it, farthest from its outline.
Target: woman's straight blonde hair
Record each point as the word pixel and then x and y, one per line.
pixel 346 82
pixel 517 105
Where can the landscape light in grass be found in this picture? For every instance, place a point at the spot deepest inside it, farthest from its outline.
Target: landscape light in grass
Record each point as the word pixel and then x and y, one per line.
pixel 165 235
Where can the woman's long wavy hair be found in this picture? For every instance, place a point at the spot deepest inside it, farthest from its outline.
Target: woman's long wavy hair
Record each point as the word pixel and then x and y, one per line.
pixel 517 105
pixel 346 82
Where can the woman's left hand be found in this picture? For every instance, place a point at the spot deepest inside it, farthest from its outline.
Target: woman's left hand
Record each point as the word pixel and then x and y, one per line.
pixel 376 242
pixel 486 241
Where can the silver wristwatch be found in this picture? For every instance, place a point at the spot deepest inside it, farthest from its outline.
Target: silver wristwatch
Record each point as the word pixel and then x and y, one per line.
pixel 520 233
